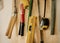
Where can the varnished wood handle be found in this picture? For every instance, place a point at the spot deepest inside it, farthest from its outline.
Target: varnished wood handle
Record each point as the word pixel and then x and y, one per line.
pixel 31 29
pixel 11 27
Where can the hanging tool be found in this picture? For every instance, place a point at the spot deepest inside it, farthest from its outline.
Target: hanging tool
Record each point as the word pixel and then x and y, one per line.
pixel 1 4
pixel 22 21
pixel 12 22
pixel 24 4
pixel 53 17
pixel 44 21
pixel 41 30
pixel 44 24
pixel 30 10
pixel 31 24
pixel 31 29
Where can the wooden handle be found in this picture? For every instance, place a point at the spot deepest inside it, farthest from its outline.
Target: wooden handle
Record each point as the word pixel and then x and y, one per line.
pixel 31 29
pixel 10 27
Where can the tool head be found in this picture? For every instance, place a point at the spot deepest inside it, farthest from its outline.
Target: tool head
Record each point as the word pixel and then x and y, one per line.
pixel 25 3
pixel 44 23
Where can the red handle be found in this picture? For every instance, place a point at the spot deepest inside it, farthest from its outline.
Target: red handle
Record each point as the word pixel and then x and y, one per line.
pixel 22 20
pixel 22 15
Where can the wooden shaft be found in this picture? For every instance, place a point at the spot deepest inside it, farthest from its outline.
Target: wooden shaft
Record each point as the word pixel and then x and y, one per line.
pixel 12 22
pixel 11 27
pixel 31 29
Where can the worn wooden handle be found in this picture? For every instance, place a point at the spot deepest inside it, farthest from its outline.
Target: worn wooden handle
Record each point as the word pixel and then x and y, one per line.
pixel 31 29
pixel 10 27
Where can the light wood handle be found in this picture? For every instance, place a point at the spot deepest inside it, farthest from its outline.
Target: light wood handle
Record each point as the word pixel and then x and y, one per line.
pixel 10 27
pixel 31 29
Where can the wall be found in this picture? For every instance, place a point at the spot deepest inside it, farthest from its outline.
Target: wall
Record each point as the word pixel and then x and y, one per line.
pixel 5 15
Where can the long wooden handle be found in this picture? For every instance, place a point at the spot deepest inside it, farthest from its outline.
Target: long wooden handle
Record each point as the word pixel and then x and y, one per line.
pixel 31 29
pixel 10 27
